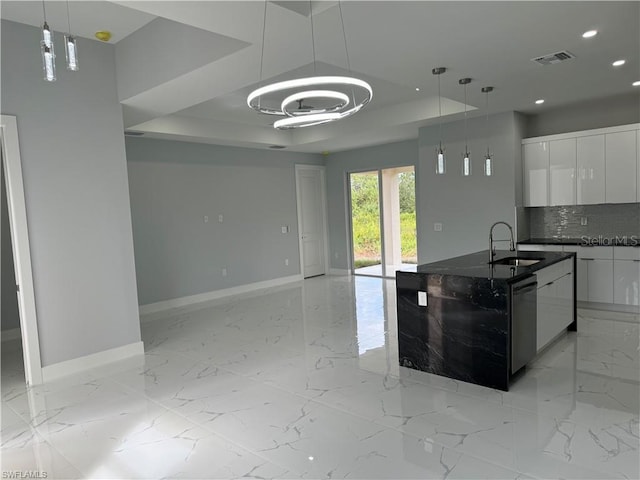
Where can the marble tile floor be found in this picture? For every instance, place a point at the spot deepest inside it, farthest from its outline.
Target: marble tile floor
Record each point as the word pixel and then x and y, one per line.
pixel 302 381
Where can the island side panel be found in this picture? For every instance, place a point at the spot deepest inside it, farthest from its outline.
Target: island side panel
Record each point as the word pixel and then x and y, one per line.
pixel 463 331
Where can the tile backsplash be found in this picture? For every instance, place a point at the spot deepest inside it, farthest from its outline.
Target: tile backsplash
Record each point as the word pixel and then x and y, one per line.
pixel 609 220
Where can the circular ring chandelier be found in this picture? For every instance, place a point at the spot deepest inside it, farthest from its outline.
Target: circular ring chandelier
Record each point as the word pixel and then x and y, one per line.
pixel 336 97
pixel 303 90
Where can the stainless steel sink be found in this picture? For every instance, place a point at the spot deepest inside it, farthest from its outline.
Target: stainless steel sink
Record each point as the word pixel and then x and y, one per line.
pixel 517 262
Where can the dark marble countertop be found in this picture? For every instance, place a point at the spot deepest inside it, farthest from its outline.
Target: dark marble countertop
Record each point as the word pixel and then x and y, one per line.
pixel 587 241
pixel 476 265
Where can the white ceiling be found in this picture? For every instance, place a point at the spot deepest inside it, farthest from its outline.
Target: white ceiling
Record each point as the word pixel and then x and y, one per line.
pixel 392 44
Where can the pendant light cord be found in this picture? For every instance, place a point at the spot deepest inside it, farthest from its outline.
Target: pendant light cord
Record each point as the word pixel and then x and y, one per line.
pixel 264 25
pixel 440 110
pixel 44 12
pixel 313 42
pixel 68 18
pixel 487 122
pixel 346 49
pixel 466 137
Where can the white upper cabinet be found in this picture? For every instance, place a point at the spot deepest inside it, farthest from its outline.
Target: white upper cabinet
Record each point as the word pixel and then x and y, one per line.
pixel 562 172
pixel 582 168
pixel 590 172
pixel 621 167
pixel 536 174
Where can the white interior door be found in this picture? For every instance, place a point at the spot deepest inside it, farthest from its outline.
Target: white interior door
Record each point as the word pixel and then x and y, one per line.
pixel 311 219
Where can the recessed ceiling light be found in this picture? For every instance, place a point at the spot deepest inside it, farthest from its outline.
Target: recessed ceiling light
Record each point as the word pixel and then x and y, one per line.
pixel 103 35
pixel 636 83
pixel 540 101
pixel 619 63
pixel 589 34
pixel 417 89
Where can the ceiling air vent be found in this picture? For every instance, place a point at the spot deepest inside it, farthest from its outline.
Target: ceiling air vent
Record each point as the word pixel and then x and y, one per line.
pixel 131 133
pixel 277 147
pixel 554 58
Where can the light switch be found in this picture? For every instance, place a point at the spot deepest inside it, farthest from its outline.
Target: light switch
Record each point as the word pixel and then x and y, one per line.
pixel 583 221
pixel 285 229
pixel 422 299
pixel 437 227
pixel 206 219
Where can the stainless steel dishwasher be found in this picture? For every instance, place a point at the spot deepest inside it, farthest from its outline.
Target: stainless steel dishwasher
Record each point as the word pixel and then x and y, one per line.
pixel 523 322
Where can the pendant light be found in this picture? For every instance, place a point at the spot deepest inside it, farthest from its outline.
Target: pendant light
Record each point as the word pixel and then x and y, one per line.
pixel 488 159
pixel 47 51
pixel 70 46
pixel 294 99
pixel 466 156
pixel 441 163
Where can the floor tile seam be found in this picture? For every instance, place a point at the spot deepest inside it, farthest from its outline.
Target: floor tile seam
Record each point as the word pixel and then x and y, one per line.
pixel 387 427
pixel 40 437
pixel 170 409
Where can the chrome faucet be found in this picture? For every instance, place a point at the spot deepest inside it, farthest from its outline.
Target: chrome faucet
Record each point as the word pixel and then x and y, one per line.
pixel 492 250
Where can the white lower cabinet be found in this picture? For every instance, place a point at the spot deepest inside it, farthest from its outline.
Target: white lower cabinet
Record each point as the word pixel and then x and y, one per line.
pixel 600 281
pixel 603 274
pixel 554 302
pixel 626 275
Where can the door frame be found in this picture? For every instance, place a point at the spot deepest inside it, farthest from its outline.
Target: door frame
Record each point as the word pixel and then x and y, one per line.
pixel 16 206
pixel 323 192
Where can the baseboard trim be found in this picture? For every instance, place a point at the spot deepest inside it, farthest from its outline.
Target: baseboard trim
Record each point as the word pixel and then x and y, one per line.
pixel 8 335
pixel 339 272
pixel 215 295
pixel 77 365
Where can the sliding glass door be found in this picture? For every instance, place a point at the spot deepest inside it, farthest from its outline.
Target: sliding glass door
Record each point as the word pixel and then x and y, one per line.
pixel 383 221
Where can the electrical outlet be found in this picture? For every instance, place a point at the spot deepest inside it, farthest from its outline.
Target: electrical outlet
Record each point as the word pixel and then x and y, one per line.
pixel 422 299
pixel 285 229
pixel 220 218
pixel 286 262
pixel 206 219
pixel 583 221
pixel 224 272
pixel 437 227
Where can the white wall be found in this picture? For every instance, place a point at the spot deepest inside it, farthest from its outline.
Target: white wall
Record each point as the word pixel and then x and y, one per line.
pixel 600 113
pixel 76 189
pixel 174 185
pixel 468 206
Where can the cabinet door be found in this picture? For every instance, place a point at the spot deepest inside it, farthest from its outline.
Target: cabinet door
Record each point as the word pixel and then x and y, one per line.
pixel 582 275
pixel 536 174
pixel 626 282
pixel 600 281
pixel 565 294
pixel 590 169
pixel 545 315
pixel 562 172
pixel 621 160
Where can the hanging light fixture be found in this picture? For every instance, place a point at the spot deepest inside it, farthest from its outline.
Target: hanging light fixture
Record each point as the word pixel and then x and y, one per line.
pixel 441 163
pixel 47 51
pixel 488 159
pixel 466 156
pixel 337 96
pixel 70 46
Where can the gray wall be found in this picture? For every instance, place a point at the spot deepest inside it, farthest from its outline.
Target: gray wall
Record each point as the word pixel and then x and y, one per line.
pixel 9 303
pixel 467 206
pixel 338 165
pixel 77 195
pixel 600 113
pixel 174 185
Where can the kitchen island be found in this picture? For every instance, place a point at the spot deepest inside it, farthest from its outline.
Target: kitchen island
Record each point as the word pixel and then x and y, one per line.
pixel 464 318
